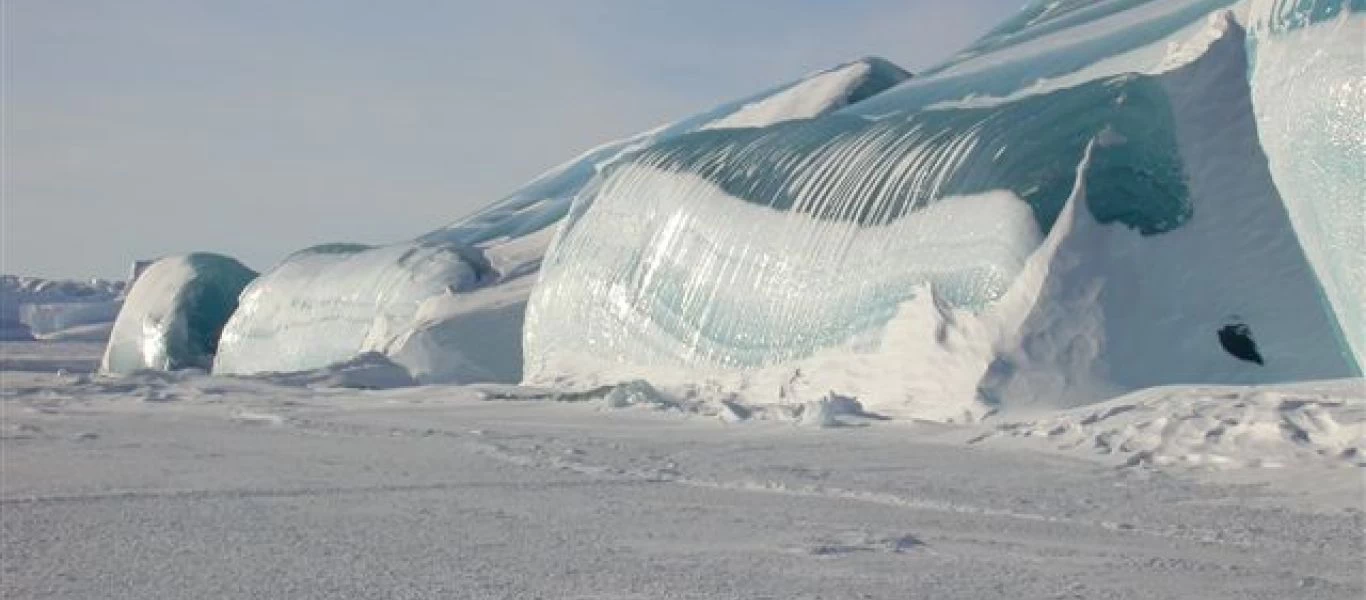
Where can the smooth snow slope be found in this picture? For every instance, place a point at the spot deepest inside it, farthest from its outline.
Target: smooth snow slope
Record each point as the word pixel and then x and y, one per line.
pixel 462 320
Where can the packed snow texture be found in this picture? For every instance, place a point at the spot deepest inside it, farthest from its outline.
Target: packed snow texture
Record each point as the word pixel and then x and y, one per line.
pixel 1213 428
pixel 182 485
pixel 1147 244
pixel 174 313
pixel 449 306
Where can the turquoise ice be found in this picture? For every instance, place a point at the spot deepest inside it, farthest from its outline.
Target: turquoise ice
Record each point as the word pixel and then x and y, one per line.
pixel 174 314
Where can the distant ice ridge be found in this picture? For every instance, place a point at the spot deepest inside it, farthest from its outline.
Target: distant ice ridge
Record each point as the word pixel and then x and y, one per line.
pixel 449 305
pixel 174 313
pixel 821 254
pixel 35 307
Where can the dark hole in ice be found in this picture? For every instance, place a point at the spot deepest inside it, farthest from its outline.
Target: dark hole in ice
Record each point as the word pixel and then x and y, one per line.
pixel 1236 338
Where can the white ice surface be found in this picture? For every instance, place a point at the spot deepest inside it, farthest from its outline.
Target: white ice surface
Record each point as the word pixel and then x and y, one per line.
pixel 808 98
pixel 187 486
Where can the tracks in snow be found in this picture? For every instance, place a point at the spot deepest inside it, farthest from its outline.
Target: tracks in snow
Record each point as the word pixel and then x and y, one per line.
pixel 548 453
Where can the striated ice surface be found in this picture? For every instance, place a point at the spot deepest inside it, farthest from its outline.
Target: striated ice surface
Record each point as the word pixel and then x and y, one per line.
pixel 1309 95
pixel 545 200
pixel 331 303
pixel 449 305
pixel 172 317
pixel 767 248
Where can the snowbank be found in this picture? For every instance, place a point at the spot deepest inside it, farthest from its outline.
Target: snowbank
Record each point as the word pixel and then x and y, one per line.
pixel 1293 426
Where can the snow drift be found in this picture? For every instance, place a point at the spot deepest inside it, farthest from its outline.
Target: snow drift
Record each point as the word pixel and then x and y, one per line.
pixel 174 313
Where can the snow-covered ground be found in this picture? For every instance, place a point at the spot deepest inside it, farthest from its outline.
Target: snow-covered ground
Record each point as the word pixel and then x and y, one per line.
pixel 188 486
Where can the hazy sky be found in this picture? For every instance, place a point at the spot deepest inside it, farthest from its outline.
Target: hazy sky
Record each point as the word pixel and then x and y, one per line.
pixel 255 128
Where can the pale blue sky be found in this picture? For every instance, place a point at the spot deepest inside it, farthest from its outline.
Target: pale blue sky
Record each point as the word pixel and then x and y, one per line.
pixel 254 128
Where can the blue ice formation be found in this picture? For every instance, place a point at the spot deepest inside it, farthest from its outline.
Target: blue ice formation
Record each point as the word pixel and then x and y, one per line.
pixel 1213 150
pixel 425 304
pixel 1309 96
pixel 1097 196
pixel 172 317
pixel 545 200
pixel 329 304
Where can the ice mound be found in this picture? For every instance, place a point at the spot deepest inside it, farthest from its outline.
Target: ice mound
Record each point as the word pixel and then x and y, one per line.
pixel 1075 208
pixel 174 313
pixel 331 303
pixel 449 306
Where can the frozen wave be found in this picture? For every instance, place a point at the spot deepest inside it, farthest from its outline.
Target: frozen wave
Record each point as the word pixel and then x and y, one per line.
pixel 174 314
pixel 449 305
pixel 328 304
pixel 1309 96
pixel 1096 197
pixel 546 199
pixel 726 255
